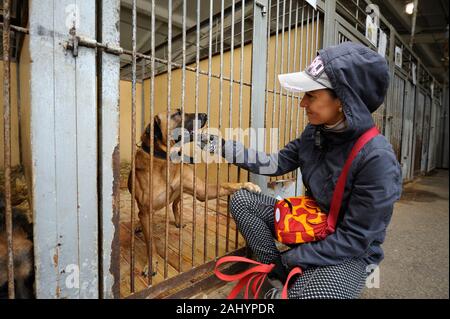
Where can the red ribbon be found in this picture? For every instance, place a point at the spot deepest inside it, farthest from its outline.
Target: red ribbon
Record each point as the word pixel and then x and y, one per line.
pixel 252 278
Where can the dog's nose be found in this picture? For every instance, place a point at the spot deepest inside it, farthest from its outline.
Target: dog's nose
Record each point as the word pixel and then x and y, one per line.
pixel 203 116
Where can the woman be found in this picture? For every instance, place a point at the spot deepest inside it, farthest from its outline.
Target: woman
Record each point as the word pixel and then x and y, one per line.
pixel 343 86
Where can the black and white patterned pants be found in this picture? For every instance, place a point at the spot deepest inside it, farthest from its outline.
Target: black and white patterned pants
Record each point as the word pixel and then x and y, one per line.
pixel 254 216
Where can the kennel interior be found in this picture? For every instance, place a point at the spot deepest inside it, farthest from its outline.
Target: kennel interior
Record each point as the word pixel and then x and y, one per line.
pixel 82 80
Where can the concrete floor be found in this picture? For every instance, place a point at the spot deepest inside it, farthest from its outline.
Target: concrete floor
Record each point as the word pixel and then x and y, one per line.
pixel 416 263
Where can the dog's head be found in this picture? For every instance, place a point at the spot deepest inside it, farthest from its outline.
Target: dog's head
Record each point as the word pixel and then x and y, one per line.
pixel 163 138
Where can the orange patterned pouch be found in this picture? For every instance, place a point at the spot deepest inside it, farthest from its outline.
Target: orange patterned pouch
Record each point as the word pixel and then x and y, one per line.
pixel 299 220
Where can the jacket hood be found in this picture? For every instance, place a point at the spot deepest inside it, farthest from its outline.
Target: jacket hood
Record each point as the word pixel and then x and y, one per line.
pixel 360 78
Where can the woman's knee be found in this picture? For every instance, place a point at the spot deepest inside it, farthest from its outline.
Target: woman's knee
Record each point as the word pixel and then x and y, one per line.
pixel 239 202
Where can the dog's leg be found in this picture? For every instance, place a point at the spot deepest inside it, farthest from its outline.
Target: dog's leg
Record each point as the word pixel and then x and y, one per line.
pixel 225 189
pixel 144 216
pixel 177 212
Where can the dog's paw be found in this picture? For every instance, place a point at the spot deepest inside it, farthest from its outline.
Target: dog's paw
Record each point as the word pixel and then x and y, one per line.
pixel 252 187
pixel 177 225
pixel 137 230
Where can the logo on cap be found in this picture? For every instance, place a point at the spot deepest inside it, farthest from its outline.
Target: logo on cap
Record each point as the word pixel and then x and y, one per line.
pixel 316 68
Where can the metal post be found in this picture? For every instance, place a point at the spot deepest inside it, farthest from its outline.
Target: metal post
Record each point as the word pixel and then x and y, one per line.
pixel 329 23
pixel 133 142
pixel 259 73
pixel 108 73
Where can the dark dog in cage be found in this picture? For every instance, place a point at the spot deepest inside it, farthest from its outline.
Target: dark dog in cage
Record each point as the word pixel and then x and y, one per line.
pixel 22 252
pixel 163 143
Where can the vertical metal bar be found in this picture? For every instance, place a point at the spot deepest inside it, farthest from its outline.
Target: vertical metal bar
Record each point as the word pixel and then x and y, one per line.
pixel 152 134
pixel 169 92
pixel 133 141
pixel 293 96
pixel 183 90
pixel 241 82
pixel 7 143
pixel 220 122
pixel 311 52
pixel 197 73
pixel 280 101
pixel 143 66
pixel 316 41
pixel 274 99
pixel 301 36
pixel 259 74
pixel 307 51
pixel 317 32
pixel 288 95
pixel 227 236
pixel 269 24
pixel 208 102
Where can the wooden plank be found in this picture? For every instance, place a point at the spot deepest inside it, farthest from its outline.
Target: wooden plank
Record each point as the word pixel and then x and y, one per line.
pixel 86 159
pixel 66 156
pixel 43 148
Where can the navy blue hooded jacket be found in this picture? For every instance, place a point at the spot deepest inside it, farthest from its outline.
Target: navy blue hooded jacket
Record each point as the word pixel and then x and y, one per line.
pixel 360 78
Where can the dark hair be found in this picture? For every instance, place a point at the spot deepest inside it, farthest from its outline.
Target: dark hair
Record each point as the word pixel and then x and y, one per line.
pixel 332 93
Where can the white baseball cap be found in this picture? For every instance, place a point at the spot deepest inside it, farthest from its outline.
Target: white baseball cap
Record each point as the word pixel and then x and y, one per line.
pixel 313 78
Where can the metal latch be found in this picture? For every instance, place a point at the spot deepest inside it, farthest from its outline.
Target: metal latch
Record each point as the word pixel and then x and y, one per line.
pixel 76 41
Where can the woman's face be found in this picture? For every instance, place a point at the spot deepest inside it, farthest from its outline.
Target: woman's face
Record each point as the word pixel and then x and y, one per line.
pixel 322 107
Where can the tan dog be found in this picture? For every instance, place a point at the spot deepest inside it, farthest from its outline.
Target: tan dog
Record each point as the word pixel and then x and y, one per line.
pixel 142 168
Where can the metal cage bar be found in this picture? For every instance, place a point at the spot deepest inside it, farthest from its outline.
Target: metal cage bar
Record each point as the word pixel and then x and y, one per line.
pixel 241 79
pixel 230 123
pixel 169 101
pixel 208 112
pixel 133 145
pixel 7 144
pixel 194 198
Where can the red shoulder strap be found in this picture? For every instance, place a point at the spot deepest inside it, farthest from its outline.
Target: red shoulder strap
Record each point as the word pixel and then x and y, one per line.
pixel 340 185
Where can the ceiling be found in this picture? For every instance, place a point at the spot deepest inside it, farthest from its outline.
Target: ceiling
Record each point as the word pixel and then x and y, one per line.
pixel 431 31
pixel 143 41
pixel 430 39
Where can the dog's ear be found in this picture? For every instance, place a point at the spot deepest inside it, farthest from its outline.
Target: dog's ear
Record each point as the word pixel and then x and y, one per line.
pixel 157 128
